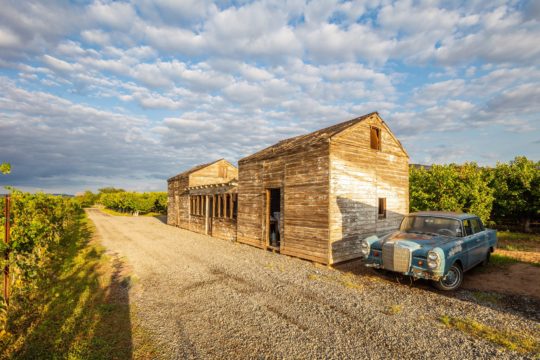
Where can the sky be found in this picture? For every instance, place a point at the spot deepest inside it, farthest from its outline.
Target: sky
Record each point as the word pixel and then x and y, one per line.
pixel 128 94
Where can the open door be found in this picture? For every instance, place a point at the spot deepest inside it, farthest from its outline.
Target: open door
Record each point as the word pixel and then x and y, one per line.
pixel 273 218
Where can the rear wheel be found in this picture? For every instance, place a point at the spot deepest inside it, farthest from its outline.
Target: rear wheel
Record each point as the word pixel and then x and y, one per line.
pixel 486 260
pixel 452 280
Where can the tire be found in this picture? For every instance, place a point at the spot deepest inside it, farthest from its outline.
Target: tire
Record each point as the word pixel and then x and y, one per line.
pixel 452 280
pixel 486 260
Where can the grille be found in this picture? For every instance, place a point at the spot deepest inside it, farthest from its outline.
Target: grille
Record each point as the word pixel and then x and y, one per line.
pixel 396 258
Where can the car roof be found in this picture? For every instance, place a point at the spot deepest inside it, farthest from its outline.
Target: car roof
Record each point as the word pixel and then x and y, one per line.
pixel 447 214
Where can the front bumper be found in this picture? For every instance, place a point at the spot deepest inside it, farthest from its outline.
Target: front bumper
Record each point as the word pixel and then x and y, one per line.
pixel 415 271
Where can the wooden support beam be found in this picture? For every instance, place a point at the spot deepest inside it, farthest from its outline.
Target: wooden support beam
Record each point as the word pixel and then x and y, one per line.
pixel 224 205
pixel 231 205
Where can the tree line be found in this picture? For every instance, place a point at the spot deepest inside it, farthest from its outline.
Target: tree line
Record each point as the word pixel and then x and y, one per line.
pixel 507 194
pixel 126 201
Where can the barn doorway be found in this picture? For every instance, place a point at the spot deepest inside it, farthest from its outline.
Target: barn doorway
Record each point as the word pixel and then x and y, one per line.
pixel 273 218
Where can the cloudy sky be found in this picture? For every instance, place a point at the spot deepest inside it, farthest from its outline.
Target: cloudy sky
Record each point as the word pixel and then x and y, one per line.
pixel 127 94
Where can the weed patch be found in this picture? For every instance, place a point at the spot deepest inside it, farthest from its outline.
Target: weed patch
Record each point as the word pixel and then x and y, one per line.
pixel 502 260
pixel 487 297
pixel 394 309
pixel 515 241
pixel 511 340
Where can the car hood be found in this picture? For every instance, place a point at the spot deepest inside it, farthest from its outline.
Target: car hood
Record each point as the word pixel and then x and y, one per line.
pixel 420 244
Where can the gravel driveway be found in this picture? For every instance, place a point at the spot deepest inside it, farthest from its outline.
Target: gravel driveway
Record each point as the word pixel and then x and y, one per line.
pixel 200 297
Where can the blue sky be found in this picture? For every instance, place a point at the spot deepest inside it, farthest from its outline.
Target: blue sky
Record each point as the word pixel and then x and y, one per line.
pixel 102 93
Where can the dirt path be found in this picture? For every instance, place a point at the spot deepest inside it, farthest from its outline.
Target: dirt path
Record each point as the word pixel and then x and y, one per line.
pixel 200 297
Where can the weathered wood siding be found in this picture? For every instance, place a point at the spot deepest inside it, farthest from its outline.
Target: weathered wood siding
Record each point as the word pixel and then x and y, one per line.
pixel 224 228
pixel 251 199
pixel 197 224
pixel 178 213
pixel 303 178
pixel 359 176
pixel 219 172
pixel 178 207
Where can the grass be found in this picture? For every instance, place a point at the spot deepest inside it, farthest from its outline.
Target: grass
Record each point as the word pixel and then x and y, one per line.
pixel 502 260
pixel 487 297
pixel 508 339
pixel 347 280
pixel 515 241
pixel 114 212
pixel 394 309
pixel 80 312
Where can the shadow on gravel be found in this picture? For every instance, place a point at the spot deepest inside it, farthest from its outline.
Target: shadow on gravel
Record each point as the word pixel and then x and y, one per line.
pixel 162 218
pixel 527 307
pixel 80 310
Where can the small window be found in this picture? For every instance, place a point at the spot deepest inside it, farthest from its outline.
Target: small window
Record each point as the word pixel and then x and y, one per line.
pixel 476 226
pixel 375 138
pixel 223 171
pixel 382 208
pixel 468 227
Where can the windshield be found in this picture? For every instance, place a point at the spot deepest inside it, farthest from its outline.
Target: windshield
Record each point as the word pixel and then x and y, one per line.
pixel 432 225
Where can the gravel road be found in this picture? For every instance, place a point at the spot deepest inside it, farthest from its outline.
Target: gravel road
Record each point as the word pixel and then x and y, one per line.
pixel 200 297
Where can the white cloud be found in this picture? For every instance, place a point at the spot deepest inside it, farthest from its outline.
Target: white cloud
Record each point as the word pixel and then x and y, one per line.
pixel 8 38
pixel 226 79
pixel 119 15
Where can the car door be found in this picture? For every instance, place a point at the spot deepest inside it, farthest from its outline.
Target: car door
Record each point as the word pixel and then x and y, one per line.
pixel 470 244
pixel 480 239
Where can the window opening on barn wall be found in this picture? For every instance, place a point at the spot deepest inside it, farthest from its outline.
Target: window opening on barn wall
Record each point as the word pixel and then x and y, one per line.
pixel 224 206
pixel 382 208
pixel 197 205
pixel 375 138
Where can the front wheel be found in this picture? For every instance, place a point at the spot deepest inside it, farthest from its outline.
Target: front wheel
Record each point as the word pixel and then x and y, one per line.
pixel 452 280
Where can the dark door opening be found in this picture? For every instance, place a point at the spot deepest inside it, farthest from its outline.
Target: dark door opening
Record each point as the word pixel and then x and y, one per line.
pixel 273 216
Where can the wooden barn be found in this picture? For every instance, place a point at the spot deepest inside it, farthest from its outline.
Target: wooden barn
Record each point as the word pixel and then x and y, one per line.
pixel 316 196
pixel 204 199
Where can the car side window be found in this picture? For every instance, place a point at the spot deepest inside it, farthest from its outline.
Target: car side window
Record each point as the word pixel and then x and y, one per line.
pixel 476 226
pixel 467 226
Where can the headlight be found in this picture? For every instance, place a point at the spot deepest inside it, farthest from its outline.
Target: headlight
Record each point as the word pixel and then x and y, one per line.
pixel 433 260
pixel 365 248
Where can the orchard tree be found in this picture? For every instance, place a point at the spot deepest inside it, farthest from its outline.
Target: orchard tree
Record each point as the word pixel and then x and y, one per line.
pixel 460 188
pixel 517 191
pixel 5 168
pixel 87 199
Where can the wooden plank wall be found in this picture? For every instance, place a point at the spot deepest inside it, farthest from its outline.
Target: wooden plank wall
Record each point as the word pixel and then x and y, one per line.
pixel 177 208
pixel 303 177
pixel 224 228
pixel 359 176
pixel 305 220
pixel 250 204
pixel 171 203
pixel 213 175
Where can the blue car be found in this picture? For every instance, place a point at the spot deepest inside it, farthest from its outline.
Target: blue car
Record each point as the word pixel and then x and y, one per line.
pixel 432 245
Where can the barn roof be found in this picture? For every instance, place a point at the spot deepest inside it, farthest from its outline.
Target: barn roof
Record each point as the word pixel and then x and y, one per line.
pixel 193 169
pixel 305 140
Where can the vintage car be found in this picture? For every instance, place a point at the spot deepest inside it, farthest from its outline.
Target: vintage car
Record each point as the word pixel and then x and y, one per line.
pixel 438 246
